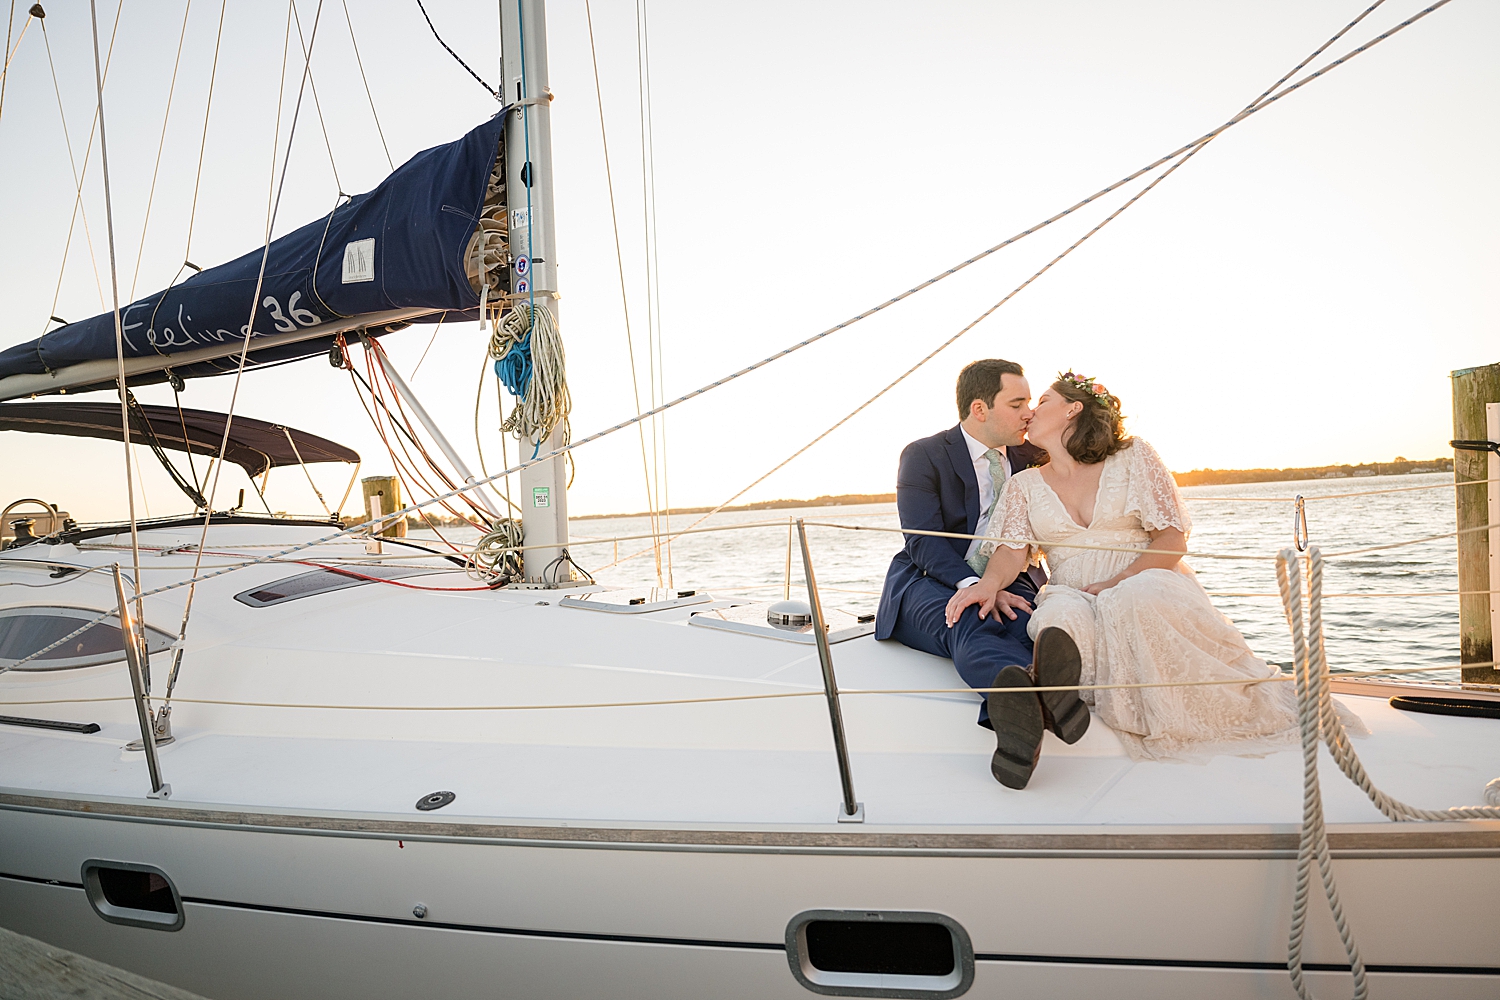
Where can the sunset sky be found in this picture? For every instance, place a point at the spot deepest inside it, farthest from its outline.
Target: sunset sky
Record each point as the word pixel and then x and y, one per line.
pixel 1297 294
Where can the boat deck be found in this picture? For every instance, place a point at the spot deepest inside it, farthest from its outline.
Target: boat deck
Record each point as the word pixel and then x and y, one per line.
pixel 919 761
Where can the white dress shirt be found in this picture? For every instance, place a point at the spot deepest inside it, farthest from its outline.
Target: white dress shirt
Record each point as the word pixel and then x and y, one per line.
pixel 987 488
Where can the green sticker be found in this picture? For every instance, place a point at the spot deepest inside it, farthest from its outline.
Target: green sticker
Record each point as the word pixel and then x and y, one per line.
pixel 541 496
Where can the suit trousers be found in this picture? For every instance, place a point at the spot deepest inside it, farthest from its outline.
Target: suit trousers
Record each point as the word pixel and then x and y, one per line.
pixel 979 648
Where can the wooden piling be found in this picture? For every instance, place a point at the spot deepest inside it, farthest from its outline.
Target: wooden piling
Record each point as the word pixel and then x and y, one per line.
pixel 1473 390
pixel 388 489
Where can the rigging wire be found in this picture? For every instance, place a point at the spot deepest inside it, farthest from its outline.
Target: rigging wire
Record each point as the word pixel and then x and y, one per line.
pixel 160 146
pixel 361 64
pixel 652 271
pixel 492 91
pixel 208 105
pixel 10 53
pixel 10 26
pixel 317 105
pixel 432 340
pixel 614 219
pixel 114 286
pixel 78 176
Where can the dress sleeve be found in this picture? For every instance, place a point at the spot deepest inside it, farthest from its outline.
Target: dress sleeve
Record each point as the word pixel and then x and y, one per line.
pixel 1152 492
pixel 1012 517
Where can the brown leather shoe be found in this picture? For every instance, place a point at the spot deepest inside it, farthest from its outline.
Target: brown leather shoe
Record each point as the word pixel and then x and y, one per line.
pixel 1057 663
pixel 1017 719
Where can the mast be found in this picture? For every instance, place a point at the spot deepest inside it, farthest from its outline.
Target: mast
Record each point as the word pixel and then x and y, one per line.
pixel 528 181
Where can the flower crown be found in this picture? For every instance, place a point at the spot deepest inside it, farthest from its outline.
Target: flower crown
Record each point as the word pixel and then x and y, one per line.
pixel 1093 389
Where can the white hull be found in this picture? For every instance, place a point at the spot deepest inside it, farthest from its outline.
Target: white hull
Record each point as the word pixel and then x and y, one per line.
pixel 326 911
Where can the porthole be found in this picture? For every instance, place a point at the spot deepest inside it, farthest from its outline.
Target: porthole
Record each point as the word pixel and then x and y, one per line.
pixel 880 953
pixel 25 630
pixel 136 895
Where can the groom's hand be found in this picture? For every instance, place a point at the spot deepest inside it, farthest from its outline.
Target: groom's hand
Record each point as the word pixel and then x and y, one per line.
pixel 1008 604
pixel 980 593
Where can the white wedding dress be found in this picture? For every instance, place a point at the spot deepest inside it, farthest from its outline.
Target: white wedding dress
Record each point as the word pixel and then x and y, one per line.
pixel 1156 626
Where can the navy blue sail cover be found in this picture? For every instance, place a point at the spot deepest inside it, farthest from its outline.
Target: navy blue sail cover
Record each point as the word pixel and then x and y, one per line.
pixel 400 245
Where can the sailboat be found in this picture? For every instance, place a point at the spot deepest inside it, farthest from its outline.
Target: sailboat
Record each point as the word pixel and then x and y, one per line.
pixel 366 767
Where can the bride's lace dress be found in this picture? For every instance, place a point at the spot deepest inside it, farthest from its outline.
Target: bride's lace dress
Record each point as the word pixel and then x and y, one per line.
pixel 1156 626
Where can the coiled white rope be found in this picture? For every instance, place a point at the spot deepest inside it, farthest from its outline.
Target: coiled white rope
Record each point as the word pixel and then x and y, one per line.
pixel 1320 723
pixel 546 403
pixel 497 554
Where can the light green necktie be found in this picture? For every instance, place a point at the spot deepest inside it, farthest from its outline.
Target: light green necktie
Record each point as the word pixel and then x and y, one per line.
pixel 997 480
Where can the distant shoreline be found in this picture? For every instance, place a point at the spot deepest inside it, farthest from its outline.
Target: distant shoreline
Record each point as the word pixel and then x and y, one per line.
pixel 1197 477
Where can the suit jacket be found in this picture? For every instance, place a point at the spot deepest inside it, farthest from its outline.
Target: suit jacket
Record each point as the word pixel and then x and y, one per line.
pixel 937 490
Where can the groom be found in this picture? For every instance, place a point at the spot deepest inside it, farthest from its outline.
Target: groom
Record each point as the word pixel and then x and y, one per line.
pixel 951 482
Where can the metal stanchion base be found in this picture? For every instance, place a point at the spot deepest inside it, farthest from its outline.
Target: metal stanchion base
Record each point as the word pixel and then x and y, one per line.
pixel 166 793
pixel 859 813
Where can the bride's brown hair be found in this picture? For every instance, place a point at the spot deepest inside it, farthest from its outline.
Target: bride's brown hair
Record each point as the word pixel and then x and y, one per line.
pixel 1099 430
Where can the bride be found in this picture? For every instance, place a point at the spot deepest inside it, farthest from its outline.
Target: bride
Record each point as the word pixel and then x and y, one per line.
pixel 1137 616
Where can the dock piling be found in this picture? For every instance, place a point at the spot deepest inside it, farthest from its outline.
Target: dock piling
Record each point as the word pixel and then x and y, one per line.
pixel 1476 418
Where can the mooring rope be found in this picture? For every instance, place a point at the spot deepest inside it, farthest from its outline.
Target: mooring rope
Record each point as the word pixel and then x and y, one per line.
pixel 1317 722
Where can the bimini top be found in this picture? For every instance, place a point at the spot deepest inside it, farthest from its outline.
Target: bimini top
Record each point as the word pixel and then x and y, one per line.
pixel 378 261
pixel 254 445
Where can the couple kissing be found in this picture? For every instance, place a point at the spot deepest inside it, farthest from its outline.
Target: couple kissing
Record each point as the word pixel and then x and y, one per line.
pixel 1060 483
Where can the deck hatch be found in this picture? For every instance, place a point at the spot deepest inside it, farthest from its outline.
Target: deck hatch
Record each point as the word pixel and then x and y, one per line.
pixel 123 892
pixel 324 581
pixel 880 953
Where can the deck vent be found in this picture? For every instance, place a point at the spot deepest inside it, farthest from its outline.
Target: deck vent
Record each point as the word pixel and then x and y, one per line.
pixel 789 614
pixel 435 800
pixel 136 895
pixel 880 953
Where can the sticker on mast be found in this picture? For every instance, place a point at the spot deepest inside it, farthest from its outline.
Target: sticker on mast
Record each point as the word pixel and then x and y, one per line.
pixel 522 266
pixel 541 496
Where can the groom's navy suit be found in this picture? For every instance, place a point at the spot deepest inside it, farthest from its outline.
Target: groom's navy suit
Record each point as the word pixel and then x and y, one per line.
pixel 937 490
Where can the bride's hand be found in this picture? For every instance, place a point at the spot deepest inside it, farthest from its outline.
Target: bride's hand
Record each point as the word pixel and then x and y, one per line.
pixel 980 593
pixel 1098 588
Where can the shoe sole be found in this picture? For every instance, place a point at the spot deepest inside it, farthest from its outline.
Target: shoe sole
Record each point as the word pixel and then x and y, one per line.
pixel 1017 719
pixel 1058 664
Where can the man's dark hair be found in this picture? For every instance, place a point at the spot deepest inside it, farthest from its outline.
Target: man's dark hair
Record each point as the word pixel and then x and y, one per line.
pixel 981 380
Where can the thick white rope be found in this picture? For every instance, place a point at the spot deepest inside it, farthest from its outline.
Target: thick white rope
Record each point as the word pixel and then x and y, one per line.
pixel 1319 722
pixel 546 403
pixel 1313 842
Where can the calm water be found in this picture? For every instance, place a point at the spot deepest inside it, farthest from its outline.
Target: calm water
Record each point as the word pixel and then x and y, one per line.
pixel 1363 632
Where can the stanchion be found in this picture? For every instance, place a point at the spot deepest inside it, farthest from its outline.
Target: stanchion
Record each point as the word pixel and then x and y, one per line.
pixel 135 660
pixel 851 811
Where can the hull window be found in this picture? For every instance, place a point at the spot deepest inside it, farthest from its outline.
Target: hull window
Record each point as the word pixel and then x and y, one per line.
pixel 24 631
pixel 136 895
pixel 880 953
